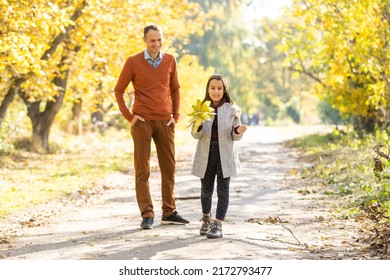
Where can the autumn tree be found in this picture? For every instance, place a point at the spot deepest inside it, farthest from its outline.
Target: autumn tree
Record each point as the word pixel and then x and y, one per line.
pixel 24 29
pixel 38 70
pixel 344 47
pixel 53 51
pixel 284 93
pixel 227 48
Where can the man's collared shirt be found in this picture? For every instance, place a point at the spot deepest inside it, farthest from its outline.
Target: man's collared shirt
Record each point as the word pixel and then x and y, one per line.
pixel 155 63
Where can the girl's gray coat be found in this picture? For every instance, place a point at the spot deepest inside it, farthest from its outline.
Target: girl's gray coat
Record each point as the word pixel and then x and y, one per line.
pixel 228 118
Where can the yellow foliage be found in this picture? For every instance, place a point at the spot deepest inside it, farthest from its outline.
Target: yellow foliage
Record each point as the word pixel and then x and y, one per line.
pixel 345 45
pixel 201 112
pixel 105 34
pixel 193 78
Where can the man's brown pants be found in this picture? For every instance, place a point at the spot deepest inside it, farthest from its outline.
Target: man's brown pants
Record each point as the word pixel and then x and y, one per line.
pixel 164 138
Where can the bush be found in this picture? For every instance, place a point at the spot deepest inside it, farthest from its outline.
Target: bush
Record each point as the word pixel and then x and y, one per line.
pixel 5 132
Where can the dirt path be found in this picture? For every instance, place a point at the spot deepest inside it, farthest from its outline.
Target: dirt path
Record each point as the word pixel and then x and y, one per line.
pixel 267 218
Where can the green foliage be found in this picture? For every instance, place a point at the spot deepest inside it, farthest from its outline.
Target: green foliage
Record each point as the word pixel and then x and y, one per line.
pixel 226 48
pixel 10 129
pixel 293 112
pixel 247 54
pixel 279 88
pixel 5 145
pixel 328 114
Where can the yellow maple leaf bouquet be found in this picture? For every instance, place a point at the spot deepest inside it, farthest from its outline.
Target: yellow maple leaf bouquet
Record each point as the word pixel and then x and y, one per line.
pixel 201 112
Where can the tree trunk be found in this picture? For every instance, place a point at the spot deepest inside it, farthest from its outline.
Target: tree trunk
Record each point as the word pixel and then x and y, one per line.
pixel 42 121
pixel 365 124
pixel 76 126
pixel 9 97
pixel 387 110
pixel 40 134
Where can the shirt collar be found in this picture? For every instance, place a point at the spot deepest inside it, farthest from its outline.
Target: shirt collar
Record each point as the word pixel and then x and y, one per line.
pixel 147 55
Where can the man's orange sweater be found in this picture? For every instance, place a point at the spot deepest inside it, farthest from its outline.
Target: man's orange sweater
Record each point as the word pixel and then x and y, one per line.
pixel 156 90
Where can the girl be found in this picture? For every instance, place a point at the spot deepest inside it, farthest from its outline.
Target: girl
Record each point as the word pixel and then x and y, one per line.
pixel 215 153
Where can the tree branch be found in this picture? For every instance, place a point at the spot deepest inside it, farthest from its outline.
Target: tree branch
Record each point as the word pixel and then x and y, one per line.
pixel 311 75
pixel 62 36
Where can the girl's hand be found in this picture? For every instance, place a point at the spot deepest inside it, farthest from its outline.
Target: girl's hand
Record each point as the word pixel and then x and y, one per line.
pixel 241 129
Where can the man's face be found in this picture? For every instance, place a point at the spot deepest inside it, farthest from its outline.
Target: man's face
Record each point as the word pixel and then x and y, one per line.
pixel 153 41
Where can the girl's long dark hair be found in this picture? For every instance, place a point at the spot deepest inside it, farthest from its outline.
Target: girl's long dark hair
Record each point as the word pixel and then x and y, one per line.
pixel 226 94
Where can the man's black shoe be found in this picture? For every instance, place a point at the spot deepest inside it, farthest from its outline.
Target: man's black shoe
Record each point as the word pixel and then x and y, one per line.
pixel 175 219
pixel 147 223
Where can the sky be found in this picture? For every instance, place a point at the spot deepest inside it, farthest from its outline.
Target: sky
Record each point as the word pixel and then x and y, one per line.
pixel 261 8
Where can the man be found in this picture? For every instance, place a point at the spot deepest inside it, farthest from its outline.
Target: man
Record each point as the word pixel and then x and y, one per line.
pixel 154 114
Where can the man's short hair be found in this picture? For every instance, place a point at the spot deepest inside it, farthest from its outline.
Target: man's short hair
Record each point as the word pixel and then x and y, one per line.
pixel 151 27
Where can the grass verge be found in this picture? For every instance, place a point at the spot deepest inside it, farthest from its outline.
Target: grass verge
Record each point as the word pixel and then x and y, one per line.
pixel 344 165
pixel 76 164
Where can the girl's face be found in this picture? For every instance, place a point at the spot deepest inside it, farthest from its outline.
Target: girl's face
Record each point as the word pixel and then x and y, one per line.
pixel 216 91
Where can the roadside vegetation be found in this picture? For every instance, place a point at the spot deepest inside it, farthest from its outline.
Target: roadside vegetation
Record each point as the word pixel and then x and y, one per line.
pixel 353 169
pixel 76 165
